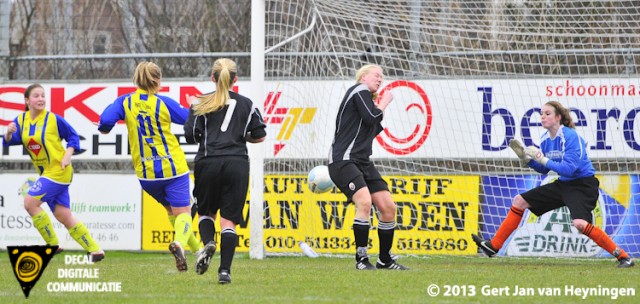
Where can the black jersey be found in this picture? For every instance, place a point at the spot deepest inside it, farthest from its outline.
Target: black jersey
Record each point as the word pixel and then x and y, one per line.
pixel 357 124
pixel 223 132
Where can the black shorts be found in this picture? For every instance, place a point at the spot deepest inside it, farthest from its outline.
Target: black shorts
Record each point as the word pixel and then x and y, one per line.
pixel 580 196
pixel 221 183
pixel 350 176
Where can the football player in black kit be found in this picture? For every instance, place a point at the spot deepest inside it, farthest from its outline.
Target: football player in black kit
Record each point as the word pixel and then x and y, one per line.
pixel 222 122
pixel 357 124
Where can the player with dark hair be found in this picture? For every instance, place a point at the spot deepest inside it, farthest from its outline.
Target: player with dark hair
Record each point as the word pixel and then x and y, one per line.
pixel 222 122
pixel 561 150
pixel 41 133
pixel 159 161
pixel 357 124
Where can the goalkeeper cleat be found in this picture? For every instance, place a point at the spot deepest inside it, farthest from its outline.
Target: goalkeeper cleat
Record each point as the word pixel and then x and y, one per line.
pixel 626 263
pixel 178 253
pixel 204 257
pixel 96 256
pixel 392 265
pixel 364 264
pixel 485 245
pixel 224 277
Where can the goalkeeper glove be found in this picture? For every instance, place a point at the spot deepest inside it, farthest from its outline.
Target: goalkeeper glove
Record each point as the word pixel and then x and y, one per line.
pixel 536 154
pixel 518 147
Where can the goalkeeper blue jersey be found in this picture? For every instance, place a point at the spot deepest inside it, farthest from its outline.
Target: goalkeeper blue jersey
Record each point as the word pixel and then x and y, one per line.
pixel 567 153
pixel 155 151
pixel 42 139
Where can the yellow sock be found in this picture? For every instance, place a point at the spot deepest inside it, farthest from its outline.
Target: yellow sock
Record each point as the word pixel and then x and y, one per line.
pixel 44 226
pixel 81 234
pixel 193 242
pixel 183 228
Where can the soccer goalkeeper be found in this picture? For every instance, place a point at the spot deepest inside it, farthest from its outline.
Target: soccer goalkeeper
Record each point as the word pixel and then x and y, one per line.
pixel 561 150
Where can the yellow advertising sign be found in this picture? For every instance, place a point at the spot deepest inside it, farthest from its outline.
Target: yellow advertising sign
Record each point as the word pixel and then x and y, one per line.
pixel 436 215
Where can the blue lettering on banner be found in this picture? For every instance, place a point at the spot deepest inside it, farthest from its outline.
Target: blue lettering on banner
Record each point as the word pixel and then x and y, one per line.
pixel 580 120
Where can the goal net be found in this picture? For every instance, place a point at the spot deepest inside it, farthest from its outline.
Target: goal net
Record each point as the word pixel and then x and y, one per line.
pixel 466 76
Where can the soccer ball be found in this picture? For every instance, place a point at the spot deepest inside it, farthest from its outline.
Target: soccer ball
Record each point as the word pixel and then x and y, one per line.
pixel 319 180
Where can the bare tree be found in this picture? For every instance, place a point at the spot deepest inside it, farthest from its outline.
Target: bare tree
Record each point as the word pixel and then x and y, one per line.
pixel 65 29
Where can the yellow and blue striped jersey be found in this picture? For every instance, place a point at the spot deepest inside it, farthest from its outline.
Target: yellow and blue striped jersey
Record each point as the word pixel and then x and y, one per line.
pixel 155 151
pixel 42 138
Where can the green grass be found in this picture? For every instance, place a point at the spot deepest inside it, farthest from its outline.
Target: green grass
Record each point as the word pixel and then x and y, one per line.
pixel 152 278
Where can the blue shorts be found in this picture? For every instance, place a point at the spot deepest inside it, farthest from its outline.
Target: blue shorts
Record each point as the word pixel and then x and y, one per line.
pixel 51 193
pixel 172 192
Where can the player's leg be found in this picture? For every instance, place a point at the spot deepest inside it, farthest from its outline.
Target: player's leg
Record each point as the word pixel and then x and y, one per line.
pixel 361 226
pixel 232 200
pixel 172 191
pixel 349 179
pixel 206 189
pixel 603 240
pixel 60 202
pixel 78 232
pixel 180 201
pixel 381 198
pixel 183 229
pixel 386 228
pixel 228 243
pixel 510 223
pixel 193 242
pixel 33 204
pixel 41 219
pixel 538 200
pixel 207 229
pixel 581 197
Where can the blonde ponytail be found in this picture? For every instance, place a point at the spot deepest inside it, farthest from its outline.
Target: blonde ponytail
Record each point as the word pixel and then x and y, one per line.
pixel 224 72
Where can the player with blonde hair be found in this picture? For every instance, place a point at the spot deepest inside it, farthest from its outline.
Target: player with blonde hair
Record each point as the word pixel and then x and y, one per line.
pixel 159 161
pixel 222 122
pixel 357 124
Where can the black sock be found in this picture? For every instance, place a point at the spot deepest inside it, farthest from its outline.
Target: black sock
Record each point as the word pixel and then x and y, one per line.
pixel 361 234
pixel 207 229
pixel 385 236
pixel 228 243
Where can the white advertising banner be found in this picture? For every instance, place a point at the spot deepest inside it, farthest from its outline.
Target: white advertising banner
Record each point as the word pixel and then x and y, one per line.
pixel 109 205
pixel 427 119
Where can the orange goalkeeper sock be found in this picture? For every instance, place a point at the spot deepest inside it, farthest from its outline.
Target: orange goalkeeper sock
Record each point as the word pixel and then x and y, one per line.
pixel 604 241
pixel 507 227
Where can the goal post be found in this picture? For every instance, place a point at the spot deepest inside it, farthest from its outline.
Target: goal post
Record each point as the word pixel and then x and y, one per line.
pixel 256 152
pixel 466 76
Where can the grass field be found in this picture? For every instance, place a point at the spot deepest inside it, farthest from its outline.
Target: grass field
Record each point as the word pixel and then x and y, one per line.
pixel 152 278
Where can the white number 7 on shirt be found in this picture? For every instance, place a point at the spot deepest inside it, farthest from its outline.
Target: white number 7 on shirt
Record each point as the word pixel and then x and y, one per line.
pixel 227 117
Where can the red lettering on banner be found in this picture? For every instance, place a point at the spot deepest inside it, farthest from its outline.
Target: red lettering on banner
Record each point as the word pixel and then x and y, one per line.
pixel 59 105
pixel 183 95
pixel 125 90
pixel 128 90
pixel 11 105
